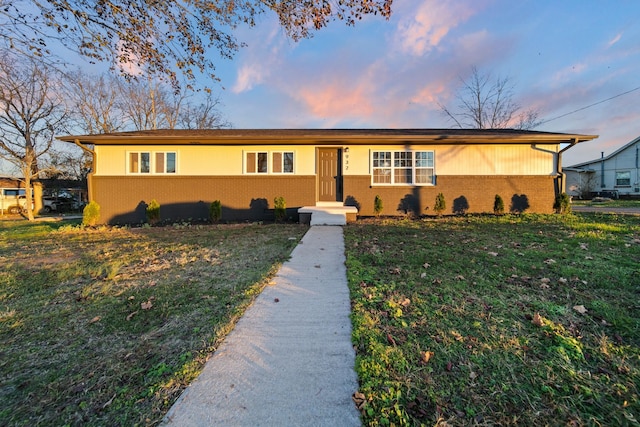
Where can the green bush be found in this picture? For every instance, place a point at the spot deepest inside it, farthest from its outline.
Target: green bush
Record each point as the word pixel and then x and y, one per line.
pixel 562 204
pixel 498 205
pixel 215 211
pixel 153 212
pixel 280 208
pixel 440 205
pixel 377 205
pixel 91 214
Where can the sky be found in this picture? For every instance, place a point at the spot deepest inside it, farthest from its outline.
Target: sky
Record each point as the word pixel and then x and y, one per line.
pixel 577 62
pixel 561 56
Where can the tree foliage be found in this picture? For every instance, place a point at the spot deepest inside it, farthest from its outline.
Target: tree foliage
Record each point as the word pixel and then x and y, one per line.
pixel 485 102
pixel 165 37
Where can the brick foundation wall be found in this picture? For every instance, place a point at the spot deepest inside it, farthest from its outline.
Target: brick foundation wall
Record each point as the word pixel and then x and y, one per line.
pixel 470 194
pixel 122 199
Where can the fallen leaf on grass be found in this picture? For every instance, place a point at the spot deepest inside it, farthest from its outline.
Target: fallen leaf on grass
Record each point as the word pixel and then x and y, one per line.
pixel 405 302
pixel 391 340
pixel 550 261
pixel 580 309
pixel 146 305
pixel 131 315
pixel 426 356
pixel 423 275
pixel 459 277
pixel 426 265
pixel 395 270
pixel 537 319
pixel 359 399
pixel 95 319
pixel 449 366
pixel 493 253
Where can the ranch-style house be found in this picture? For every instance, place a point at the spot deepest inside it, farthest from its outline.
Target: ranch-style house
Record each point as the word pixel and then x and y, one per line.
pixel 186 170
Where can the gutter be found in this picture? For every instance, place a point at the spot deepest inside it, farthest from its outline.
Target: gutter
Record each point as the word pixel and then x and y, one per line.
pixel 85 148
pixel 559 181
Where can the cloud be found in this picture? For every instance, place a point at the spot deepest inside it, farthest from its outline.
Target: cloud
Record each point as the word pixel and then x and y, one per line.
pixel 424 28
pixel 260 57
pixel 615 40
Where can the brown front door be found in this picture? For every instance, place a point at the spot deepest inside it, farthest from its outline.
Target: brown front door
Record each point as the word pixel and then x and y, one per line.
pixel 329 175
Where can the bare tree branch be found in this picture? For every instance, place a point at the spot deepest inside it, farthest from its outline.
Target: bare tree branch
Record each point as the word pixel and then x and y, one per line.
pixel 488 103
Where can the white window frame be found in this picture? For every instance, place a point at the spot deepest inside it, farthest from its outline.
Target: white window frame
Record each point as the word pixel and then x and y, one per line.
pixel 282 162
pixel 165 155
pixel 152 163
pixel 269 157
pixel 628 174
pixel 397 165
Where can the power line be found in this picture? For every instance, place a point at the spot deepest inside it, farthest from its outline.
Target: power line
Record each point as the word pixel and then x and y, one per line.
pixel 589 106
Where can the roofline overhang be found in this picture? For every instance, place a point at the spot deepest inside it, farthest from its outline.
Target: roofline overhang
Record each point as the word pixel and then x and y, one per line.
pixel 327 137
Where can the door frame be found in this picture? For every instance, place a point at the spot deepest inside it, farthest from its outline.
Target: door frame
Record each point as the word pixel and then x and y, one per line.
pixel 339 178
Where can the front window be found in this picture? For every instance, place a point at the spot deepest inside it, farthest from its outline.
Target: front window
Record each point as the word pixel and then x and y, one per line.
pixel 282 162
pixel 139 162
pixel 402 167
pixel 157 162
pixel 165 162
pixel 623 179
pixel 274 162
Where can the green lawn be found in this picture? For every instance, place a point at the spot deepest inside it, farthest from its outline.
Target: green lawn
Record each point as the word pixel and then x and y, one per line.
pixel 107 326
pixel 621 203
pixel 512 320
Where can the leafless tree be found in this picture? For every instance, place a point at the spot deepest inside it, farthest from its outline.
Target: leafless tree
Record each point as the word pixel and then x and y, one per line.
pixel 205 115
pixel 94 102
pixel 485 102
pixel 31 113
pixel 166 37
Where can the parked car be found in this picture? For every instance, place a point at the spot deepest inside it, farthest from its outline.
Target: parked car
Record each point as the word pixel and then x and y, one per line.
pixel 12 200
pixel 49 204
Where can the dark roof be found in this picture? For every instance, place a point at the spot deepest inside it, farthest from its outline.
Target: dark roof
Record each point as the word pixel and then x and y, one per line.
pixel 326 136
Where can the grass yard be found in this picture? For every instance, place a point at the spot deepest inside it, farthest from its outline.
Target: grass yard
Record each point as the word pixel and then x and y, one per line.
pixel 107 326
pixel 511 320
pixel 620 203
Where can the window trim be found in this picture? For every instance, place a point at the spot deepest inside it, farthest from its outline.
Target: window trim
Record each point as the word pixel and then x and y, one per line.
pixel 152 163
pixel 396 164
pixel 628 173
pixel 270 154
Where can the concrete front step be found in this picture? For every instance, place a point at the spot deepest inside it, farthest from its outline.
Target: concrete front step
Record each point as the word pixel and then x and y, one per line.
pixel 327 215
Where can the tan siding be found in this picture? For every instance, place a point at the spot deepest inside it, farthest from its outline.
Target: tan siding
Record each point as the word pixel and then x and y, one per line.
pixel 202 160
pixel 467 160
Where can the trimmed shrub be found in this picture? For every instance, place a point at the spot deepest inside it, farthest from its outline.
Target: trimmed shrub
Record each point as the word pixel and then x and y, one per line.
pixel 377 205
pixel 440 205
pixel 215 211
pixel 498 205
pixel 562 204
pixel 280 208
pixel 91 214
pixel 153 212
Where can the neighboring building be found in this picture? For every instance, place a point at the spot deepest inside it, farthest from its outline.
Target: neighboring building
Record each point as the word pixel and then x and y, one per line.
pixel 185 170
pixel 616 175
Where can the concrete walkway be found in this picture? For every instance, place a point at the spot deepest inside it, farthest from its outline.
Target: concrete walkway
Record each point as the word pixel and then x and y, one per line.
pixel 289 361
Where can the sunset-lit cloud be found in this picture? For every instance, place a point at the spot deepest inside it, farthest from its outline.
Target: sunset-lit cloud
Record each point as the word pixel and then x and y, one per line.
pixel 430 22
pixel 396 73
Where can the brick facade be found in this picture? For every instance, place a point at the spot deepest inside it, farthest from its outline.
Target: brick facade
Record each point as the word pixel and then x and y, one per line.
pixel 463 194
pixel 123 199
